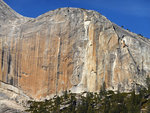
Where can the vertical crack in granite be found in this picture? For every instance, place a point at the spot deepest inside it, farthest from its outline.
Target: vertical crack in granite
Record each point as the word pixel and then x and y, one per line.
pixel 137 68
pixel 47 42
pixel 69 49
pixel 2 58
pixel 58 64
pixel 9 63
pixel 20 56
pixel 97 48
pixel 142 66
pixel 15 68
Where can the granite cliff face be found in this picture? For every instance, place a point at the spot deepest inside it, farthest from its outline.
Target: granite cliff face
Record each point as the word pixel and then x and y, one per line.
pixel 69 49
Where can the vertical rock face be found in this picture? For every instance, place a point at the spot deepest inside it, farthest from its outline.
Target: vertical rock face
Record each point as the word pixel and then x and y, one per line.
pixel 69 49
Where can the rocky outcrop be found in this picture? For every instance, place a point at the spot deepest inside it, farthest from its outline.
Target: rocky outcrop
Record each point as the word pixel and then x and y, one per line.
pixel 69 49
pixel 12 99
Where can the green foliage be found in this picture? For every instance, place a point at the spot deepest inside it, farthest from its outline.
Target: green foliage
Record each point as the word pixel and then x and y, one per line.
pixel 141 35
pixel 102 102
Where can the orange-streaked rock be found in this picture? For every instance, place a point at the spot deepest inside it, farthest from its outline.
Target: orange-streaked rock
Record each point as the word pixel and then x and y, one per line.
pixel 70 49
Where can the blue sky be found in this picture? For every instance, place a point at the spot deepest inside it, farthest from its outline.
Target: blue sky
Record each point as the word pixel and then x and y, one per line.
pixel 132 14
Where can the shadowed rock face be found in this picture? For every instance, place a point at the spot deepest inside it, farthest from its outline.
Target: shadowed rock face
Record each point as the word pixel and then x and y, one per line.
pixel 69 49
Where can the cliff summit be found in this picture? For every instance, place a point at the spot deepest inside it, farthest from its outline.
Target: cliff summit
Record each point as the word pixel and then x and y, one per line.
pixel 69 49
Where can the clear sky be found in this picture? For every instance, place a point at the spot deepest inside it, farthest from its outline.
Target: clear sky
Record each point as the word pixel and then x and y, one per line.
pixel 132 14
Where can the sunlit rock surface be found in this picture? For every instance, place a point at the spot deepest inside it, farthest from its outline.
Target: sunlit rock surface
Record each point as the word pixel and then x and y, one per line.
pixel 69 49
pixel 12 99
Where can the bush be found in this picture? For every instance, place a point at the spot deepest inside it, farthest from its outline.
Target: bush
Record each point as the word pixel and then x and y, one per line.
pixel 103 102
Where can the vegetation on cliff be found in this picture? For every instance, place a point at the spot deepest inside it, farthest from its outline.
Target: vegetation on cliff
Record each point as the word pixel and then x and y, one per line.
pixel 102 102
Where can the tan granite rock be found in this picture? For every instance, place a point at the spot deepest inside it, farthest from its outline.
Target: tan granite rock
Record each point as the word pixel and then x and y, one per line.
pixel 69 49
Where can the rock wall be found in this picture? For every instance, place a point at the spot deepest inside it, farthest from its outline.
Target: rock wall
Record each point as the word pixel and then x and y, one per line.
pixel 69 49
pixel 12 99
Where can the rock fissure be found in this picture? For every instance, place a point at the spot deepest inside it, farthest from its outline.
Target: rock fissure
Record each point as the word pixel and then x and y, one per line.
pixel 69 49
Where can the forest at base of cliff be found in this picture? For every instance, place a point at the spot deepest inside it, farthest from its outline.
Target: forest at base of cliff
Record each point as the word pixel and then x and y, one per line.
pixel 102 102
